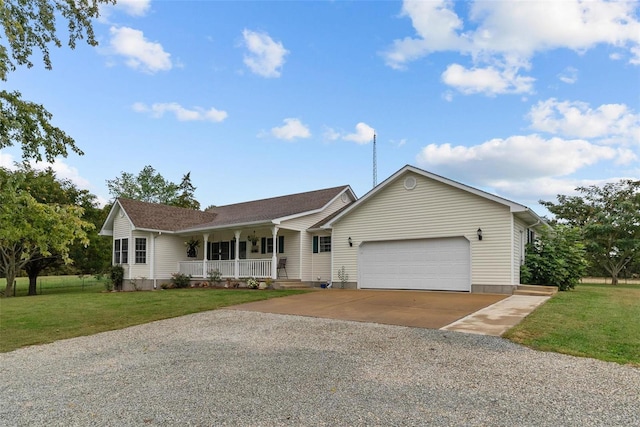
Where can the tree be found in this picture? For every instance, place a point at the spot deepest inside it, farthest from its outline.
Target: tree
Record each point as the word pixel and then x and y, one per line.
pixel 555 258
pixel 44 187
pixel 150 186
pixel 29 25
pixel 32 230
pixel 609 220
pixel 185 197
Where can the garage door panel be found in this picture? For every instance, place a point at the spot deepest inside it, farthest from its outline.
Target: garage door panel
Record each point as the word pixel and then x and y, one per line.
pixel 433 264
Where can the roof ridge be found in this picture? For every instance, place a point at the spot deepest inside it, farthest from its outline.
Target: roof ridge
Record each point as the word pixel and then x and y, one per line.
pixel 284 196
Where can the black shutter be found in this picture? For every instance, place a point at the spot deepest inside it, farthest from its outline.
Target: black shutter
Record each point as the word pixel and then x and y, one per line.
pixel 315 244
pixel 263 245
pixel 280 244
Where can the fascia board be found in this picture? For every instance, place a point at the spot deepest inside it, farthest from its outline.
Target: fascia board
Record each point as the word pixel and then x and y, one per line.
pixel 110 218
pixel 223 227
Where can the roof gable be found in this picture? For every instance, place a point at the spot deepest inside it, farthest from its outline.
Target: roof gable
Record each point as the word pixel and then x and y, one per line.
pixel 516 208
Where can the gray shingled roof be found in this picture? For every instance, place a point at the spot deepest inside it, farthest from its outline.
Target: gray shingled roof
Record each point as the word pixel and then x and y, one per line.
pixel 152 216
pixel 275 207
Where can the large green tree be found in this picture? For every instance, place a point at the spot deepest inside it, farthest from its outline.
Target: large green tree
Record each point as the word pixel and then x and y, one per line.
pixel 45 187
pixel 150 186
pixel 29 25
pixel 32 230
pixel 609 219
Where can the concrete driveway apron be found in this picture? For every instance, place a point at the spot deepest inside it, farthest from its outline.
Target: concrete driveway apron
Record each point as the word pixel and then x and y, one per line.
pixel 422 309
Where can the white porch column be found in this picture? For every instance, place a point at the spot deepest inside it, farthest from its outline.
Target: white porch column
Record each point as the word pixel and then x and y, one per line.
pixel 236 265
pixel 274 258
pixel 205 255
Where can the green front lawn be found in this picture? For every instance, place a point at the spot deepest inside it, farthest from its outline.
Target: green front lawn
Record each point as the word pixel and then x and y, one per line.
pixel 598 321
pixel 46 318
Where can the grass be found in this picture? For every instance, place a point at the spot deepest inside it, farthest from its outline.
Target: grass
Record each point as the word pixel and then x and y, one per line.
pixel 594 320
pixel 47 285
pixel 48 318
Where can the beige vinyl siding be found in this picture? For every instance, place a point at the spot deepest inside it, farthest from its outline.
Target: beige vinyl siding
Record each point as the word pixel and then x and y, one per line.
pixel 320 262
pixel 306 268
pixel 430 210
pixel 122 230
pixel 519 240
pixel 168 250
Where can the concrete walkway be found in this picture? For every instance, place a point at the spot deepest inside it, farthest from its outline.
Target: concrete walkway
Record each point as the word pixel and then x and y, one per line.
pixel 497 318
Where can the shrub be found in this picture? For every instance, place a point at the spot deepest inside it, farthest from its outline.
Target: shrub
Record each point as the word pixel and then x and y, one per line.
pixel 180 280
pixel 116 276
pixel 252 283
pixel 556 258
pixel 214 276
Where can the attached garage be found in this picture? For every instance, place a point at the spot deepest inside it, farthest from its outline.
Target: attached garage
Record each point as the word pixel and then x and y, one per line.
pixel 428 264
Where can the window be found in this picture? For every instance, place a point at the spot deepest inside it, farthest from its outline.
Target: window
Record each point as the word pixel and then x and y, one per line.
pixel 116 251
pixel 321 244
pixel 121 251
pixel 225 250
pixel 141 250
pixel 324 243
pixel 266 246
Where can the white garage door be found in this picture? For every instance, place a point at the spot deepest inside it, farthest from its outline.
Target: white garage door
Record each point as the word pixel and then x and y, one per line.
pixel 434 264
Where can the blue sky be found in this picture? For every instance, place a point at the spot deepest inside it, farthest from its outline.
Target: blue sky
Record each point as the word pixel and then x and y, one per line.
pixel 259 99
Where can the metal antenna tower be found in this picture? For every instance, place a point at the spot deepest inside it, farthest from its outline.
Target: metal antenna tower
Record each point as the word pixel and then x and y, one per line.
pixel 375 162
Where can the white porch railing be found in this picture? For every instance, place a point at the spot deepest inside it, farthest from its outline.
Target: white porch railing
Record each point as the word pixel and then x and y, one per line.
pixel 259 268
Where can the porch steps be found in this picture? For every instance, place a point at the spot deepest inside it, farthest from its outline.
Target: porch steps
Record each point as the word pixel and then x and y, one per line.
pixel 291 284
pixel 535 290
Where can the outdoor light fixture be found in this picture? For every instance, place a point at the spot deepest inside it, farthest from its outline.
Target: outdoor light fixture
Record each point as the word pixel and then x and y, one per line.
pixel 350 242
pixel 479 233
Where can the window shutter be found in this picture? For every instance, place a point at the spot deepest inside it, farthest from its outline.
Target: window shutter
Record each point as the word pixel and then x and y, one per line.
pixel 232 244
pixel 280 244
pixel 315 244
pixel 263 245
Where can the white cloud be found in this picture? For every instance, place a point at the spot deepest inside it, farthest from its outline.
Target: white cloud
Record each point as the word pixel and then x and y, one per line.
pixel 141 54
pixel 181 113
pixel 134 7
pixel 569 75
pixel 399 143
pixel 362 135
pixel 6 161
pixel 517 157
pixel 292 129
pixel 331 134
pixel 612 123
pixel 501 37
pixel 438 29
pixel 489 80
pixel 265 56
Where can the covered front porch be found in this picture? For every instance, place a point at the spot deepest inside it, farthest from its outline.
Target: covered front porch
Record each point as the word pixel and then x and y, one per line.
pixel 258 268
pixel 242 253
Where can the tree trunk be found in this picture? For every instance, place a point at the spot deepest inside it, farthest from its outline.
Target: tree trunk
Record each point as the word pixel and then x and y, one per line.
pixel 33 281
pixel 34 267
pixel 11 277
pixel 614 279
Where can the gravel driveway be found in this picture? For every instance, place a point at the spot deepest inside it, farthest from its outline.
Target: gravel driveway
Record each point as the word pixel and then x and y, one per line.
pixel 230 367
